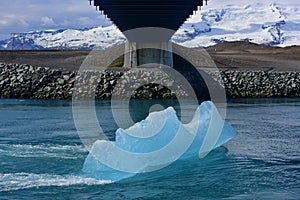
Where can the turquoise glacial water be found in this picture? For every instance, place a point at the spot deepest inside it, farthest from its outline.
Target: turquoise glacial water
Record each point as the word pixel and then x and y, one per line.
pixel 41 155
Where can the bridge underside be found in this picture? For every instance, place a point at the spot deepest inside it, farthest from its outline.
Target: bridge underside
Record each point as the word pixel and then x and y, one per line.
pixel 148 21
pixel 134 14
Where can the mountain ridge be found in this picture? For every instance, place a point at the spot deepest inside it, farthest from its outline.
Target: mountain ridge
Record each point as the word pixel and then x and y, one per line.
pixel 265 24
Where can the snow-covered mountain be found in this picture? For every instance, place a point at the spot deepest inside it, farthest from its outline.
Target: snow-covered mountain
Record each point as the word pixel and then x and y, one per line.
pixel 276 24
pixel 261 22
pixel 93 38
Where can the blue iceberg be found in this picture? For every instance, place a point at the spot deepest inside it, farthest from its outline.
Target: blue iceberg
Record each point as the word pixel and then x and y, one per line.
pixel 156 142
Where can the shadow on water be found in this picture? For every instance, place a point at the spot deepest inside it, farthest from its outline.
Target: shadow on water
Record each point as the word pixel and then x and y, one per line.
pixel 138 111
pixel 194 77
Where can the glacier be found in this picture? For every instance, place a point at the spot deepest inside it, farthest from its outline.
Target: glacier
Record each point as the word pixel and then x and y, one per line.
pixel 157 142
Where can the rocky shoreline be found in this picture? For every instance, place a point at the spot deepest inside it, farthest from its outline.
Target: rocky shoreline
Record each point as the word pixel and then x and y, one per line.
pixel 31 82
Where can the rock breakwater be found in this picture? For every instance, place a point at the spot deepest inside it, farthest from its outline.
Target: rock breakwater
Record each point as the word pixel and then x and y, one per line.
pixel 26 81
pixel 261 84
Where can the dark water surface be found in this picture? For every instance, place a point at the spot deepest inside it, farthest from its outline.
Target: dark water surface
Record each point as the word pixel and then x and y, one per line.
pixel 41 156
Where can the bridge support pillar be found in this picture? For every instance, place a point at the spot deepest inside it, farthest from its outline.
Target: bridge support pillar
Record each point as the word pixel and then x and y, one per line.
pixel 142 53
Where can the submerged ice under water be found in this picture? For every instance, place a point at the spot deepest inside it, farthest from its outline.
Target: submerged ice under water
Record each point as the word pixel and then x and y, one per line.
pixel 156 142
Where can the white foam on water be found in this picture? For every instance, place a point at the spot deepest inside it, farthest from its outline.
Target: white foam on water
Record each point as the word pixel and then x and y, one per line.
pixel 19 181
pixel 43 150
